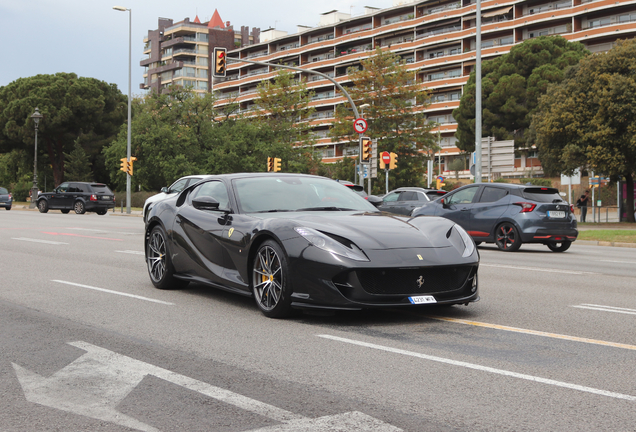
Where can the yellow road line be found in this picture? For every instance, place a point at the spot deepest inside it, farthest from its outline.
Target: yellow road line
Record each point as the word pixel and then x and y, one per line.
pixel 535 332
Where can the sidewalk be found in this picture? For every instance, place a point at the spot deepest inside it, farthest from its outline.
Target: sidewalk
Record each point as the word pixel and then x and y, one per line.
pixel 22 206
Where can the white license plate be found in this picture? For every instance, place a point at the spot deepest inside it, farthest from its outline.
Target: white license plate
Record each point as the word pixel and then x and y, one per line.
pixel 422 299
pixel 105 197
pixel 556 214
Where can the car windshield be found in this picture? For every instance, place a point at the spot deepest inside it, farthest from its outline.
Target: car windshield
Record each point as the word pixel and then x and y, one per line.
pixel 296 193
pixel 544 195
pixel 3 191
pixel 101 189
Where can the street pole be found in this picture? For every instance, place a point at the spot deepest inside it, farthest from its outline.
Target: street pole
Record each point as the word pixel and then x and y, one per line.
pixel 478 97
pixel 128 147
pixel 36 116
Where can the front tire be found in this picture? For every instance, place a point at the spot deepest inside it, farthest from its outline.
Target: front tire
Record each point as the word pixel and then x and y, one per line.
pixel 66 211
pixel 43 206
pixel 559 247
pixel 7 208
pixel 160 267
pixel 79 207
pixel 270 281
pixel 507 237
pixel 101 212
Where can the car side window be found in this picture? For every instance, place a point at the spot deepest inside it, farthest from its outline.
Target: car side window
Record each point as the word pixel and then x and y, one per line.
pixel 492 194
pixel 193 180
pixel 216 190
pixel 392 197
pixel 62 188
pixel 408 196
pixel 464 196
pixel 421 196
pixel 178 186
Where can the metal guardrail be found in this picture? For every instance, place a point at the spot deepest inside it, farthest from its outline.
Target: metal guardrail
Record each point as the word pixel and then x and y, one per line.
pixel 596 214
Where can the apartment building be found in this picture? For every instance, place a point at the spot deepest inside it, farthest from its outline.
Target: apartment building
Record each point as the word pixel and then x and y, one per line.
pixel 435 38
pixel 179 53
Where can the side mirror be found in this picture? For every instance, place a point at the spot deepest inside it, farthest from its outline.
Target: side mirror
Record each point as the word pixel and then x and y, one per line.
pixel 444 202
pixel 164 189
pixel 205 203
pixel 376 201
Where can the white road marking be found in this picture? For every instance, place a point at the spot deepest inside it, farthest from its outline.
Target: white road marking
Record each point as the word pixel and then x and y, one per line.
pixel 606 308
pixel 483 368
pixel 534 332
pixel 538 269
pixel 114 292
pixel 132 252
pixel 97 382
pixel 622 262
pixel 38 241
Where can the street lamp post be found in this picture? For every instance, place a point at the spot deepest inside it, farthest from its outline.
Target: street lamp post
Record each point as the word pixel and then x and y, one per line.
pixel 36 116
pixel 128 151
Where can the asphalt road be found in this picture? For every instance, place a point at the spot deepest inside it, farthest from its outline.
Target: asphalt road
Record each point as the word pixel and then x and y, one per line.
pixel 89 344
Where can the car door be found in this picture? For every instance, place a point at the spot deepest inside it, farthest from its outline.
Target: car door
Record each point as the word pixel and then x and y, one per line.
pixel 389 202
pixel 198 234
pixel 457 206
pixel 61 197
pixel 490 206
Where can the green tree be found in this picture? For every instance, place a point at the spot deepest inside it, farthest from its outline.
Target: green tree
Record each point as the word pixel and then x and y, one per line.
pixel 72 106
pixel 77 164
pixel 511 87
pixel 285 104
pixel 589 119
pixel 389 89
pixel 171 134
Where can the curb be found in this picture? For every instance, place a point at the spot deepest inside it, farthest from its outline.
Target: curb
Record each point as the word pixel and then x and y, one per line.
pixel 605 243
pixel 134 213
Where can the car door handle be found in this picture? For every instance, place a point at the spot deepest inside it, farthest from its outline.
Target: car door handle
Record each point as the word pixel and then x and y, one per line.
pixel 465 209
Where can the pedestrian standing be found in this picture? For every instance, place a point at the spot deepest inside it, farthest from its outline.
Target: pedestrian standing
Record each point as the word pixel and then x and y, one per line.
pixel 583 202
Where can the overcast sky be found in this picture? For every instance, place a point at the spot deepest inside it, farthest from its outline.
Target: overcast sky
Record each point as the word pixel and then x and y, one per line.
pixel 89 38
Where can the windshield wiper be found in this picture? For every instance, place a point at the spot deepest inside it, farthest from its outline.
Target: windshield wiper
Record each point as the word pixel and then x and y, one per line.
pixel 324 209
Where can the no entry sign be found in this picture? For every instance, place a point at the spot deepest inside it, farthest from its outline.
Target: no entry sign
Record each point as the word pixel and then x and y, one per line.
pixel 386 158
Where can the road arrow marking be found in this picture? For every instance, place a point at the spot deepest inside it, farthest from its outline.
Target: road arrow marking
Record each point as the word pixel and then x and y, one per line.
pixel 97 382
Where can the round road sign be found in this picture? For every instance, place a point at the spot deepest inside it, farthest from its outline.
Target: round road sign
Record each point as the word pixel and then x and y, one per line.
pixel 386 158
pixel 360 125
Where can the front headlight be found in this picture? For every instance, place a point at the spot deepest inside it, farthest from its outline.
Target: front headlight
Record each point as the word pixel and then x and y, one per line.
pixel 469 244
pixel 330 245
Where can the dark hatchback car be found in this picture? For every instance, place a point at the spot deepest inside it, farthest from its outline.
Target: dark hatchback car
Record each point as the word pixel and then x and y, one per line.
pixel 6 200
pixel 406 199
pixel 78 196
pixel 508 215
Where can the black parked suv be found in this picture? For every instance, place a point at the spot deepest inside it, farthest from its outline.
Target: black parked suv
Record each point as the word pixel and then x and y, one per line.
pixel 78 196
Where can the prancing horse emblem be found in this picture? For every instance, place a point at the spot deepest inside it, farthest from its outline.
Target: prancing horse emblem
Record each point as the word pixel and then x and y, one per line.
pixel 229 233
pixel 420 281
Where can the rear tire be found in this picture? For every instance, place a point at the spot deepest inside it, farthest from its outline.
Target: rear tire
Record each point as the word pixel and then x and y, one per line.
pixel 158 261
pixel 79 207
pixel 43 206
pixel 560 246
pixel 101 212
pixel 8 208
pixel 507 237
pixel 270 281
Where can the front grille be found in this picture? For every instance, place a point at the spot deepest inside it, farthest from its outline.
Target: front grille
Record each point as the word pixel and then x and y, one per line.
pixel 407 280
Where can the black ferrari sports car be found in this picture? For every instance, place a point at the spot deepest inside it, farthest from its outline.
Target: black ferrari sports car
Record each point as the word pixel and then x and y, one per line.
pixel 295 241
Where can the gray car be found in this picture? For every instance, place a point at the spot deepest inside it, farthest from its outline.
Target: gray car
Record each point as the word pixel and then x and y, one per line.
pixel 508 215
pixel 406 199
pixel 6 200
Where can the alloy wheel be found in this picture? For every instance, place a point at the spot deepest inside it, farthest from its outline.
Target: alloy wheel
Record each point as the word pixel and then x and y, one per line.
pixel 156 256
pixel 507 238
pixel 268 278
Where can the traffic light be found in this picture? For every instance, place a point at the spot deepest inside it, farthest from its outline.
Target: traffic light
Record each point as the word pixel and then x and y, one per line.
pixel 276 164
pixel 440 182
pixel 219 61
pixel 130 165
pixel 124 165
pixel 270 164
pixel 367 147
pixel 393 163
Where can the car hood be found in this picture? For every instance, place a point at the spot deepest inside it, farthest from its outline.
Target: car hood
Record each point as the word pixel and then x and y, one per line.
pixel 377 230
